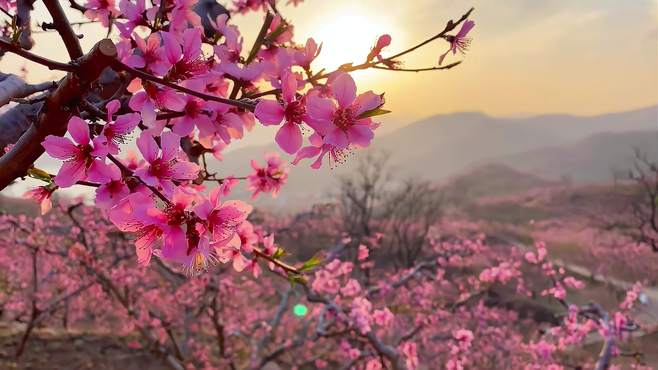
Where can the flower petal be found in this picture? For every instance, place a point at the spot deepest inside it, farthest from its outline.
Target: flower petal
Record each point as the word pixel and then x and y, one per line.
pixel 79 130
pixel 289 137
pixel 269 112
pixel 70 173
pixel 148 147
pixel 59 147
pixel 344 90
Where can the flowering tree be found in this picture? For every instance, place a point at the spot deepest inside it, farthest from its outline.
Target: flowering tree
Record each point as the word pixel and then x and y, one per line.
pixel 175 76
pixel 156 81
pixel 61 267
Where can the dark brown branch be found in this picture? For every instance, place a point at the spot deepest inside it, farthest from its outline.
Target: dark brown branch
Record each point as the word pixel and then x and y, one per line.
pixel 6 45
pixel 64 28
pixel 117 65
pixel 55 113
pixel 447 66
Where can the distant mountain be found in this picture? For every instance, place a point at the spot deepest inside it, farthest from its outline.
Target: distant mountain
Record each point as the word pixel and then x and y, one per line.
pixel 491 180
pixel 18 206
pixel 593 159
pixel 436 148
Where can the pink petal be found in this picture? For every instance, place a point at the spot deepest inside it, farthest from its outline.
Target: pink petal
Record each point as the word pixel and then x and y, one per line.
pixel 269 112
pixel 344 90
pixel 183 126
pixel 175 244
pixel 135 61
pixel 59 147
pixel 148 147
pixel 172 48
pixel 289 137
pixel 320 108
pixel 306 152
pixel 172 100
pixel 185 171
pixel 126 123
pixel 170 143
pixel 100 172
pixel 467 26
pixel 191 42
pixel 232 213
pixel 111 108
pixel 367 101
pixel 70 173
pixel 288 86
pixel 360 135
pixel 79 130
pixel 337 138
pixel 145 175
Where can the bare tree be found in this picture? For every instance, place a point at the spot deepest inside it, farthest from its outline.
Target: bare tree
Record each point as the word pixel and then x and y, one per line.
pixel 372 201
pixel 645 207
pixel 362 192
pixel 410 213
pixel 637 218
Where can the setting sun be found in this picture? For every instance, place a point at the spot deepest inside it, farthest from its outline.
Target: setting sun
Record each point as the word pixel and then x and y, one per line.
pixel 348 38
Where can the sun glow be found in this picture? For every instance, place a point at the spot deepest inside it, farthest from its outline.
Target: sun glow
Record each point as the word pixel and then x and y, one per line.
pixel 347 38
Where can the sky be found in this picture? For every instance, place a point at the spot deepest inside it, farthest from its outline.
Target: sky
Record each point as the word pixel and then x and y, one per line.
pixel 527 57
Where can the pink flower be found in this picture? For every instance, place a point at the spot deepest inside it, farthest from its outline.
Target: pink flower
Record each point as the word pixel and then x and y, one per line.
pixel 223 123
pixel 101 10
pixel 410 352
pixel 133 13
pixel 115 132
pixel 78 159
pixel 185 56
pixel 351 288
pixel 195 114
pixel 113 188
pixel 223 218
pixel 342 125
pixel 231 253
pixel 374 364
pixel 183 13
pixel 463 336
pixel 360 314
pixel 318 149
pixel 382 42
pixel 305 56
pixel 363 253
pixel 152 56
pixel 248 238
pixel 135 213
pixel 154 96
pixel 268 179
pixel 459 42
pixel 42 194
pixel 383 317
pixel 163 166
pixel 293 111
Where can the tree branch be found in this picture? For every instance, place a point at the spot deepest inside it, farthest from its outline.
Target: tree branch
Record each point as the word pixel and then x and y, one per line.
pixel 55 113
pixel 64 28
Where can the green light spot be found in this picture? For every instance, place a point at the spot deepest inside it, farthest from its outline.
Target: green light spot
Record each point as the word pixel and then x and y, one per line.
pixel 300 310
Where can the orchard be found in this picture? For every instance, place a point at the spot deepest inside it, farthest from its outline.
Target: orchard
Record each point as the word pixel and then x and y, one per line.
pixel 164 256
